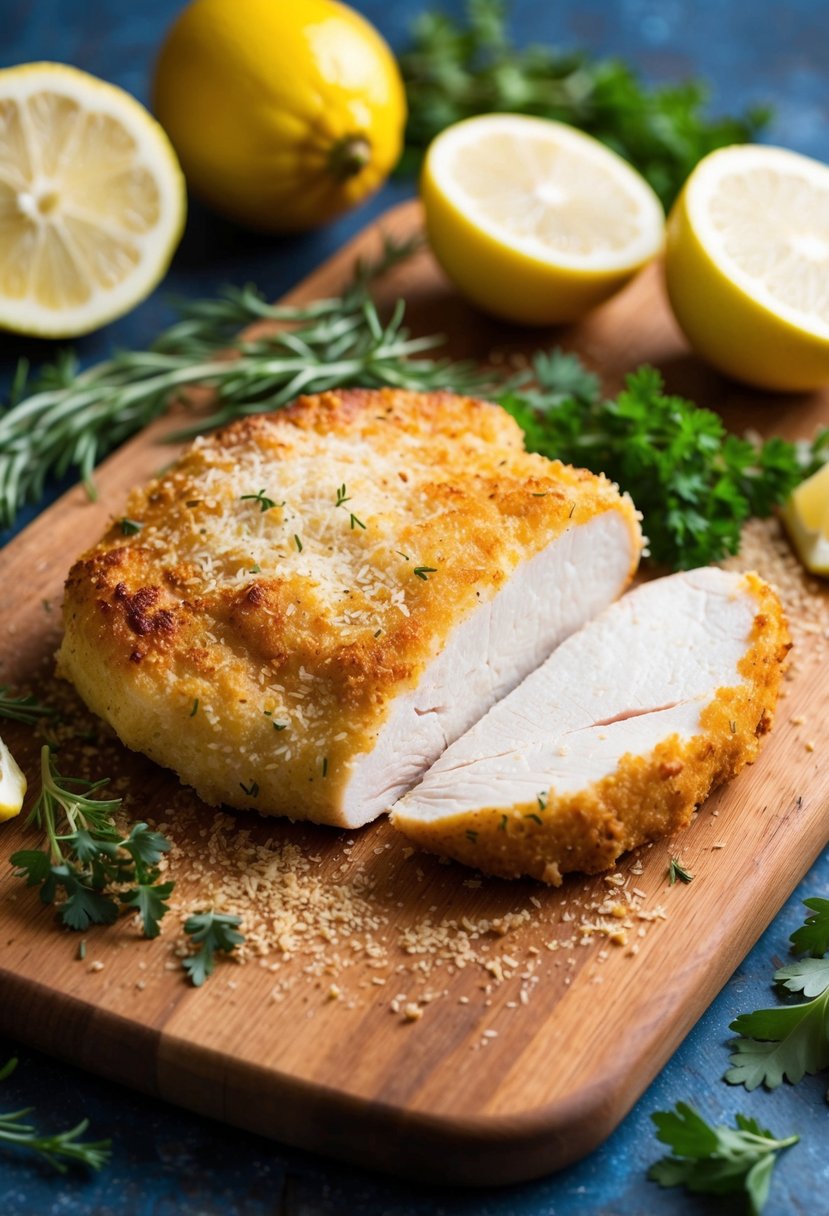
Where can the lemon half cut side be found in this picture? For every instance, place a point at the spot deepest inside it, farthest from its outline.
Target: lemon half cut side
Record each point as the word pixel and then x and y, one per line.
pixel 92 201
pixel 747 265
pixel 535 221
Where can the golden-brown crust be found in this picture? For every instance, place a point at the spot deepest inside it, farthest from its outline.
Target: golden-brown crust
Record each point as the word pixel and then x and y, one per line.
pixel 647 797
pixel 252 594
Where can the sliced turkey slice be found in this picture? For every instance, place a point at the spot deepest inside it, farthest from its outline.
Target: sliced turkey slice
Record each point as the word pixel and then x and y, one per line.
pixel 616 738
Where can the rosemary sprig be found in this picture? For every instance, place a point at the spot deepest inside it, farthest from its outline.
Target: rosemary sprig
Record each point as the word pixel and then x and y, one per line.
pixel 60 1149
pixel 64 418
pixel 22 709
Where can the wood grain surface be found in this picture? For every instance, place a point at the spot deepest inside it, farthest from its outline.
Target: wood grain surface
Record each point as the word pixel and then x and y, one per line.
pixel 456 1028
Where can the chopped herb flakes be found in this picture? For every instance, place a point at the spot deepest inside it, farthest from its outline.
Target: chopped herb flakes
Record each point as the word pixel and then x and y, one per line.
pixel 298 543
pixel 265 503
pixel 677 872
pixel 424 572
pixel 195 708
pixel 470 835
pixel 356 523
pixel 130 527
pixel 251 790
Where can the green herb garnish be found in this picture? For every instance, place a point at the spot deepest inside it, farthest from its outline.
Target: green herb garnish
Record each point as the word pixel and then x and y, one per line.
pixel 265 503
pixel 64 418
pixel 130 527
pixel 97 868
pixel 212 932
pixel 60 1149
pixel 813 936
pixel 717 1160
pixel 677 872
pixel 22 709
pixel 788 1041
pixel 457 68
pixel 694 483
pixel 424 572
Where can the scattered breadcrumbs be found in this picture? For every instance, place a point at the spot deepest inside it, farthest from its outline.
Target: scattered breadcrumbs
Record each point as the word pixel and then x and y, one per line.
pixel 338 920
pixel 766 549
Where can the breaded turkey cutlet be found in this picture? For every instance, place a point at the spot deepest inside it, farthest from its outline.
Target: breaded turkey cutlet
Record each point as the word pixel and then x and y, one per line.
pixel 315 603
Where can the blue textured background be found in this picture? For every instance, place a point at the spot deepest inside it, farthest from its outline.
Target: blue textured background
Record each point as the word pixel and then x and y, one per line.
pixel 167 1161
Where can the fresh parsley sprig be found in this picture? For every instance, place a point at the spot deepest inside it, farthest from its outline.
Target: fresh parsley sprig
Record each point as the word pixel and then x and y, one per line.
pixel 813 936
pixel 60 1149
pixel 456 69
pixel 213 932
pixel 95 866
pixel 717 1160
pixel 63 418
pixel 694 483
pixel 789 1041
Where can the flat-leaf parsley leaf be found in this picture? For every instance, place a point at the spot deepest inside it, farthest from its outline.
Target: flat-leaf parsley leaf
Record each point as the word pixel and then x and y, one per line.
pixel 212 932
pixel 716 1160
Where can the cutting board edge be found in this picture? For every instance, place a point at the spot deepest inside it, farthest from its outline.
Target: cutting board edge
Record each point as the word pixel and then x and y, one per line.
pixel 487 1150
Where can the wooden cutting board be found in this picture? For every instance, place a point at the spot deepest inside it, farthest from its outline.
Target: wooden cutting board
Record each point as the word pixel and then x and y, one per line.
pixel 392 1010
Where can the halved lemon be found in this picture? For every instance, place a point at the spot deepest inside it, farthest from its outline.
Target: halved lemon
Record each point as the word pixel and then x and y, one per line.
pixel 533 220
pixel 92 201
pixel 12 784
pixel 806 516
pixel 747 265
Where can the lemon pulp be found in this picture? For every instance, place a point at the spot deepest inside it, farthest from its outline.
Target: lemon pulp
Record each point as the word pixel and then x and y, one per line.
pixel 747 265
pixel 12 784
pixel 91 201
pixel 806 516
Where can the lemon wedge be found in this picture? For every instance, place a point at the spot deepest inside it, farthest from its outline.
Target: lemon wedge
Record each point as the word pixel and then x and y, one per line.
pixel 747 265
pixel 806 516
pixel 92 201
pixel 533 220
pixel 12 784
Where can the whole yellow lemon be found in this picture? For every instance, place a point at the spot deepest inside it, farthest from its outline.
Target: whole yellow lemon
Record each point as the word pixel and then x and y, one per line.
pixel 283 112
